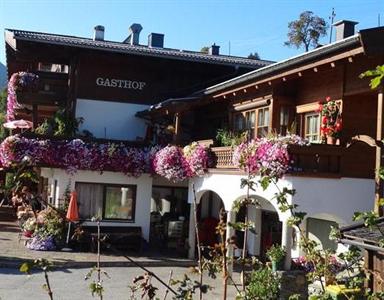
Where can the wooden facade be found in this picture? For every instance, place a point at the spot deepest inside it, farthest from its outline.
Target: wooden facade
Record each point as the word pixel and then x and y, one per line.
pixel 296 91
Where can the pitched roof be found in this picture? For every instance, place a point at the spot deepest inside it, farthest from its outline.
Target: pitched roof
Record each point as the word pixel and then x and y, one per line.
pixel 291 62
pixel 365 234
pixel 87 43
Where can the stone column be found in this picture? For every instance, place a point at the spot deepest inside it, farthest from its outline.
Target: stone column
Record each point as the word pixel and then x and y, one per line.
pixel 286 242
pixel 231 218
pixel 191 234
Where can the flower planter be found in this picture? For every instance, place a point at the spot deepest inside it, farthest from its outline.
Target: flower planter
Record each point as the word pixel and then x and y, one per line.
pixel 278 265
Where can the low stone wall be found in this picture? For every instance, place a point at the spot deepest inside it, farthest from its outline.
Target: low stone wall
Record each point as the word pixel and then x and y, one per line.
pixel 293 282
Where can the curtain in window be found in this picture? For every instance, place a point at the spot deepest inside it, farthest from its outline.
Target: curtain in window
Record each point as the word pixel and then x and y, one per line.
pixel 90 200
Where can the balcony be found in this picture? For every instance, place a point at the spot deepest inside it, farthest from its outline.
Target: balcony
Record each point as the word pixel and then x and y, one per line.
pixel 316 160
pixel 52 90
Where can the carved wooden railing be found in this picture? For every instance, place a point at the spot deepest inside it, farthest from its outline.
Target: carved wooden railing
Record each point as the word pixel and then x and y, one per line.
pixel 222 157
pixel 314 160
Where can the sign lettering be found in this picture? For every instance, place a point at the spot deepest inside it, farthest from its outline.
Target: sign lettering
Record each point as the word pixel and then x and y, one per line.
pixel 120 83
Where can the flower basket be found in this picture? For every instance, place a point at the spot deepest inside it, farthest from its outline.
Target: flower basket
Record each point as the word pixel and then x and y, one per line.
pixel 331 120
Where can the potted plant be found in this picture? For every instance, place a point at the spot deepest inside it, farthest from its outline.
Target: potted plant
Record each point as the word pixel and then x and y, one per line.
pixel 331 121
pixel 276 255
pixel 29 227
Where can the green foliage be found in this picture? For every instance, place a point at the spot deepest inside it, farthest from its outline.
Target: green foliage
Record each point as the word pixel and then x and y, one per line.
pixel 204 49
pixel 263 284
pixel 306 31
pixel 376 75
pixel 54 225
pixel 369 218
pixel 143 283
pixel 3 113
pixel 96 286
pixel 276 253
pixel 187 287
pixel 227 138
pixel 61 124
pixel 40 264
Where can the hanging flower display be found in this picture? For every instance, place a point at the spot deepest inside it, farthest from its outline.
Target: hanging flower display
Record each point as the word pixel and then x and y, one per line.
pixel 266 156
pixel 197 158
pixel 21 81
pixel 170 163
pixel 74 155
pixel 331 121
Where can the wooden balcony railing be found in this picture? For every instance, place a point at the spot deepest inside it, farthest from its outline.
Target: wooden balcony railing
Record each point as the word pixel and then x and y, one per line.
pixel 222 157
pixel 316 160
pixel 52 88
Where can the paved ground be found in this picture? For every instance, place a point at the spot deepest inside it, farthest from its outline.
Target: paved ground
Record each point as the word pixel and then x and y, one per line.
pixel 67 278
pixel 69 284
pixel 13 252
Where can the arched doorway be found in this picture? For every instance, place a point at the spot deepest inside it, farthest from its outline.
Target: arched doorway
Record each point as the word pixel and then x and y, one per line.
pixel 208 215
pixel 267 231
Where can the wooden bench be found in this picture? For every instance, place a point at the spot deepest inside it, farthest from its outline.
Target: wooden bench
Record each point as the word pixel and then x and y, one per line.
pixel 121 237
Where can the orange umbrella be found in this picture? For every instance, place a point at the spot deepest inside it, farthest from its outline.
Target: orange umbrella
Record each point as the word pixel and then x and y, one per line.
pixel 73 211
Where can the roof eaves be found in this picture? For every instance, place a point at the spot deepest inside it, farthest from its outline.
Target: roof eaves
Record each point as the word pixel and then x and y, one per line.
pixel 63 40
pixel 275 67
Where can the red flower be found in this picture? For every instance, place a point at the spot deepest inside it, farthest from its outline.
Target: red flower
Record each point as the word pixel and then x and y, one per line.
pixel 324 120
pixel 328 99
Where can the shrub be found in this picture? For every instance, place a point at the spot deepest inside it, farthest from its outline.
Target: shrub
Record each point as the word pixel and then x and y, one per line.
pixel 263 284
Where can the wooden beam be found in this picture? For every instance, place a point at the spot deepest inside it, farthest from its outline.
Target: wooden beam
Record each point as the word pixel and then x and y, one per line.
pixel 298 70
pixel 365 139
pixel 379 159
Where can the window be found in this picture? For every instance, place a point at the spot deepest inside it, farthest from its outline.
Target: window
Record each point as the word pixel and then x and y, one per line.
pixel 256 121
pixel 108 201
pixel 284 119
pixel 312 127
pixel 55 68
pixel 262 121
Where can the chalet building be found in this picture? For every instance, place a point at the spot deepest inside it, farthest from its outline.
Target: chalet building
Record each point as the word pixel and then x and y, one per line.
pixel 122 89
pixel 331 181
pixel 106 83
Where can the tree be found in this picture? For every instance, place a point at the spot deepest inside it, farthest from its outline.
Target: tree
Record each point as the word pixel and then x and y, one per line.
pixel 204 50
pixel 254 55
pixel 306 31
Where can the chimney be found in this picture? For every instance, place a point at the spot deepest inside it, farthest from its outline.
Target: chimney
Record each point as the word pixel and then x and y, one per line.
pixel 214 50
pixel 156 40
pixel 344 29
pixel 133 38
pixel 98 33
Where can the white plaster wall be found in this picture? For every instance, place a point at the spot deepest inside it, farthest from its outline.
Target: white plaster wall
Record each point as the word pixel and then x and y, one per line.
pixel 333 199
pixel 111 120
pixel 227 186
pixel 330 199
pixel 143 196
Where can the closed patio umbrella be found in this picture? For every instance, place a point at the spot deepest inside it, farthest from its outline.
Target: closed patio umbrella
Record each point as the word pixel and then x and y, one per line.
pixel 22 124
pixel 72 212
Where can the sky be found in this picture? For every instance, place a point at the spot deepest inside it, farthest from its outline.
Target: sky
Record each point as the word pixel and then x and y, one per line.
pixel 238 26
